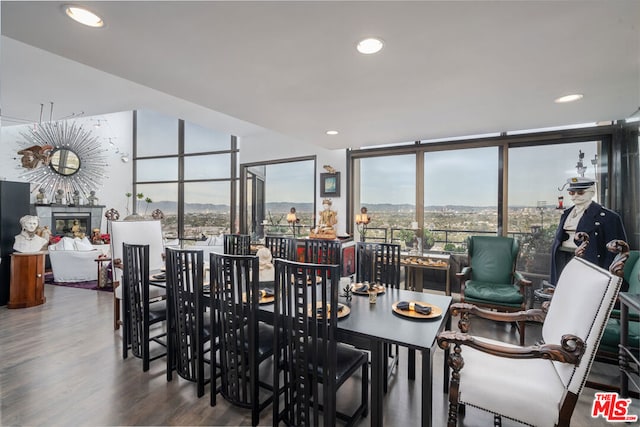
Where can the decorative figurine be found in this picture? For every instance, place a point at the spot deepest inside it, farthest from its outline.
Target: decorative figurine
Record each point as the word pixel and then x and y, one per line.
pixel 76 197
pixel 96 237
pixel 75 229
pixel 41 197
pixel 328 218
pixel 60 196
pixel 28 241
pixel 92 198
pixel 44 232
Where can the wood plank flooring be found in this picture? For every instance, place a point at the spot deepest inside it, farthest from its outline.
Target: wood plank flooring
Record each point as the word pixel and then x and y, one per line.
pixel 61 364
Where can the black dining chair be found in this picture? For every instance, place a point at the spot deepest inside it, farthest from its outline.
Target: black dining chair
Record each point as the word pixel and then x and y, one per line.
pixel 237 244
pixel 281 247
pixel 244 342
pixel 189 334
pixel 318 251
pixel 140 314
pixel 365 256
pixel 379 263
pixel 311 364
pixel 387 265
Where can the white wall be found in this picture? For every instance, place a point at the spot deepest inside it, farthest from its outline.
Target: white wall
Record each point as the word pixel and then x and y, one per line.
pixel 117 176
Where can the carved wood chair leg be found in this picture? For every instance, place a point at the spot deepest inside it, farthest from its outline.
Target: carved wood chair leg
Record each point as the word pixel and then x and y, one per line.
pixel 456 362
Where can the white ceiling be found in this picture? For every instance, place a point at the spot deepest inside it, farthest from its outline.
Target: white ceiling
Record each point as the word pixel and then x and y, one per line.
pixel 448 68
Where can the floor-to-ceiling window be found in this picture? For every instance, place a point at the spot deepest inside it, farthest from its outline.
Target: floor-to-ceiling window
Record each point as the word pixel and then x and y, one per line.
pixel 187 171
pixel 508 185
pixel 537 175
pixel 460 196
pixel 271 190
pixel 386 186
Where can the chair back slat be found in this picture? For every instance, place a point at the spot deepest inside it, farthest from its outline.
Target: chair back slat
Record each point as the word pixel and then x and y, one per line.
pixel 235 302
pixel 281 247
pixel 237 244
pixel 135 280
pixel 308 341
pixel 318 251
pixel 387 265
pixel 185 311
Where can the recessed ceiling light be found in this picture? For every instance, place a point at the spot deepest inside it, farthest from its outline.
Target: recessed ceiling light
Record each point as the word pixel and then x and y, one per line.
pixel 332 132
pixel 569 98
pixel 83 16
pixel 370 46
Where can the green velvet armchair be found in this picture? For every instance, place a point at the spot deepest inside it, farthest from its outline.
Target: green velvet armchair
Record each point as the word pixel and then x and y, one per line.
pixel 491 280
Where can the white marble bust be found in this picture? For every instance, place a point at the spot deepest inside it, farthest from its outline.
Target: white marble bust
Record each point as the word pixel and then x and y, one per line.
pixel 28 241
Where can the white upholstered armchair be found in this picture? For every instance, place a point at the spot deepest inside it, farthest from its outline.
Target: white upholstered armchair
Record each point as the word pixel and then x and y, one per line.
pixel 137 233
pixel 537 385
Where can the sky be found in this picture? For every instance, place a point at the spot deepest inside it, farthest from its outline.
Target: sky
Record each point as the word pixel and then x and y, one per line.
pixel 470 177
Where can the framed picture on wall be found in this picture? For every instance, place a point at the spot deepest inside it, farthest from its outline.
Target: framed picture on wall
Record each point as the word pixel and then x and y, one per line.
pixel 330 184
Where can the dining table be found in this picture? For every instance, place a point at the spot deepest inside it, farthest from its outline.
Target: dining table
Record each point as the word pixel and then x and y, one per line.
pixel 372 325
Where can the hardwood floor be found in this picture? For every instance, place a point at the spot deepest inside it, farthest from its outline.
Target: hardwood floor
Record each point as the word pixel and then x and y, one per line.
pixel 61 364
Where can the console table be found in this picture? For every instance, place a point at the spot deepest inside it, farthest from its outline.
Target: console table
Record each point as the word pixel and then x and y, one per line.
pixel 626 370
pixel 27 280
pixel 414 264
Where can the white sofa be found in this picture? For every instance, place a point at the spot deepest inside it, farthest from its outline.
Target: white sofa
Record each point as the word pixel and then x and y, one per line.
pixel 73 260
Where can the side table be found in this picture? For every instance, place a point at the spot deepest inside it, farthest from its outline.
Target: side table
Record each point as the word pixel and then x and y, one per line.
pixel 103 280
pixel 625 352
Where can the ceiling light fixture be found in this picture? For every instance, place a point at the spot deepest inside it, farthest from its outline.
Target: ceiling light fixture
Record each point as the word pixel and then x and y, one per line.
pixel 332 132
pixel 569 98
pixel 83 16
pixel 370 46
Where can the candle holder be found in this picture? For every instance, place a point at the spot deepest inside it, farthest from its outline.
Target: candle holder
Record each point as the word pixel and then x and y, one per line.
pixel 362 220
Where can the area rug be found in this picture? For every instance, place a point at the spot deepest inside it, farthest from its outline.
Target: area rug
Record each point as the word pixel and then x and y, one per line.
pixel 91 284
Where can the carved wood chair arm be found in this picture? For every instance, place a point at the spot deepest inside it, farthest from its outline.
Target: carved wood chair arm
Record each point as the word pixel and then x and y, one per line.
pixel 520 280
pixel 464 309
pixel 465 273
pixel 570 349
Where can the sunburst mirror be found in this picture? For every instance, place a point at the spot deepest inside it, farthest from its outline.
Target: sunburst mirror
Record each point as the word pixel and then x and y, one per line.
pixel 62 156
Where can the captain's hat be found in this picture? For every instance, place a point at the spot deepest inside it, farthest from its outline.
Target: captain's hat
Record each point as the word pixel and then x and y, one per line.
pixel 578 183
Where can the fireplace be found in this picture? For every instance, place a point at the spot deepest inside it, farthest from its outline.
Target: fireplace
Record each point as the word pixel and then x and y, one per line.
pixel 62 223
pixel 59 218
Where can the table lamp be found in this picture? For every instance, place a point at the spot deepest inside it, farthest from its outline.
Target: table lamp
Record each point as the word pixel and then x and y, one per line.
pixel 362 220
pixel 292 219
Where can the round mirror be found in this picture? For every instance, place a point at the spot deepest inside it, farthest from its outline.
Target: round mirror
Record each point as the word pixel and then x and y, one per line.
pixel 65 162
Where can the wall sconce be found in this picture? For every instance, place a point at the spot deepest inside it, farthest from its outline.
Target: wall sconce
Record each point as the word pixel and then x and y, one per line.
pixel 292 219
pixel 362 220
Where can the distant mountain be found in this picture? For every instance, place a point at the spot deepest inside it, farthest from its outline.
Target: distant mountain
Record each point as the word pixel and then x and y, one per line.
pixel 171 207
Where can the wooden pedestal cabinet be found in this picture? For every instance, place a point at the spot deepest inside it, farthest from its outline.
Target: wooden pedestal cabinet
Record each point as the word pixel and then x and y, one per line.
pixel 27 280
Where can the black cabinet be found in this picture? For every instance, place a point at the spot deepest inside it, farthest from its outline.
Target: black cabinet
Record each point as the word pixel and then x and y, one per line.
pixel 14 204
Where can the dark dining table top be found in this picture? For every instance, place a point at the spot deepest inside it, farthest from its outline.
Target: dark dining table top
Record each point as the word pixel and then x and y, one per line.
pixel 381 322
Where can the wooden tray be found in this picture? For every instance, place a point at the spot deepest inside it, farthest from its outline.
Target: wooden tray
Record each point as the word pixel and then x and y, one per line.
pixel 342 313
pixel 380 289
pixel 162 277
pixel 435 311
